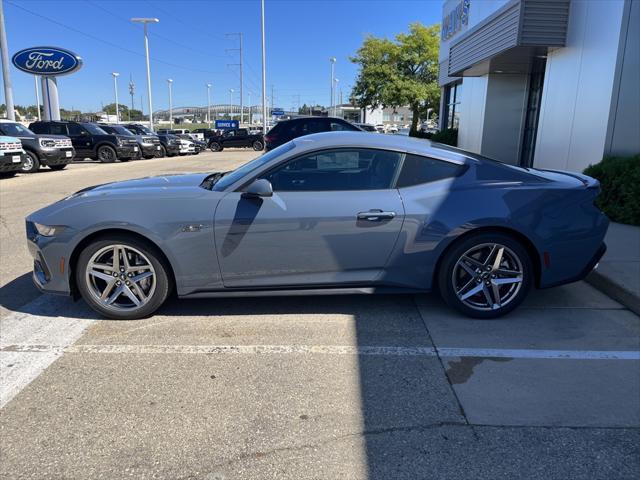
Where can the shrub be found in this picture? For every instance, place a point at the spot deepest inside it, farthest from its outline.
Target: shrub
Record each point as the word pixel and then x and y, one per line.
pixel 620 181
pixel 448 136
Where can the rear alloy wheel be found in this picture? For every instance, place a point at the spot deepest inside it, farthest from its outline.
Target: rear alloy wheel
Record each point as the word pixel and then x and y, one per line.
pixel 257 145
pixel 122 278
pixel 31 163
pixel 107 154
pixel 215 147
pixel 486 275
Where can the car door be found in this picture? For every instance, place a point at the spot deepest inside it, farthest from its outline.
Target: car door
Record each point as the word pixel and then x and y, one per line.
pixel 333 219
pixel 81 140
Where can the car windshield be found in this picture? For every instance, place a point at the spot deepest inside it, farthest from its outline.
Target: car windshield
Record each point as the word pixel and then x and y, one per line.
pixel 145 129
pixel 15 129
pixel 228 179
pixel 121 130
pixel 94 129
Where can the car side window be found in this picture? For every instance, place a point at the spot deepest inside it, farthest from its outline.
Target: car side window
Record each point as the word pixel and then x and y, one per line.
pixel 57 129
pixel 417 170
pixel 340 127
pixel 335 170
pixel 75 130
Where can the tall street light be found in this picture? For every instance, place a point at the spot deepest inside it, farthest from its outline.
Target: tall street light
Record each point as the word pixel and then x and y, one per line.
pixel 333 72
pixel 264 74
pixel 145 22
pixel 335 94
pixel 230 103
pixel 209 104
pixel 170 82
pixel 249 95
pixel 115 91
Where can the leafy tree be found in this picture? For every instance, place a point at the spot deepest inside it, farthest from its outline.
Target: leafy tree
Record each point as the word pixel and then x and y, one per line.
pixel 400 72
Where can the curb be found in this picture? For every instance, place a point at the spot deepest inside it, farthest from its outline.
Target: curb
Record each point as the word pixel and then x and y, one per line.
pixel 615 291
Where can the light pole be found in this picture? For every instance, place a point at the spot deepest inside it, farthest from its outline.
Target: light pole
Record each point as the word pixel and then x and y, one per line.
pixel 333 100
pixel 209 104
pixel 230 103
pixel 132 91
pixel 4 54
pixel 333 70
pixel 145 22
pixel 264 73
pixel 249 95
pixel 170 82
pixel 115 91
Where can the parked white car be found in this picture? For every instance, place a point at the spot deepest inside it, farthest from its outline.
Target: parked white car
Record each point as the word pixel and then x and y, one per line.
pixel 12 156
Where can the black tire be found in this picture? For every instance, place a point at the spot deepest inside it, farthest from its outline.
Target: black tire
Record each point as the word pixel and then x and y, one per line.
pixel 163 151
pixel 163 284
pixel 31 164
pixel 446 272
pixel 107 154
pixel 58 167
pixel 215 147
pixel 257 145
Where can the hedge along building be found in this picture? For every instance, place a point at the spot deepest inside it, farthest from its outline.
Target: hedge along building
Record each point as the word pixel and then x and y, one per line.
pixel 543 83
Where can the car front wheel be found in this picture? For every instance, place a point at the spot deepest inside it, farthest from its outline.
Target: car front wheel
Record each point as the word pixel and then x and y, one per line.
pixel 215 147
pixel 122 278
pixel 107 154
pixel 31 163
pixel 257 145
pixel 485 275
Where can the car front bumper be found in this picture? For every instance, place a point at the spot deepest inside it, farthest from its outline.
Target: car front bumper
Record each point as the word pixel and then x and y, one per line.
pixel 127 151
pixel 50 261
pixel 149 150
pixel 11 161
pixel 61 156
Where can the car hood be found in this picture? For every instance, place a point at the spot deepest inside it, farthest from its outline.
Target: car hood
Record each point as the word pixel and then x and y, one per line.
pixel 161 182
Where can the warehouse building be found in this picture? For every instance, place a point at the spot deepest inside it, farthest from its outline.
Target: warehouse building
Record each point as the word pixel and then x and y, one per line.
pixel 543 83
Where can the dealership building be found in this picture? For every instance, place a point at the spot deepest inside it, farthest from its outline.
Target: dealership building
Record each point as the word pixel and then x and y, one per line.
pixel 543 83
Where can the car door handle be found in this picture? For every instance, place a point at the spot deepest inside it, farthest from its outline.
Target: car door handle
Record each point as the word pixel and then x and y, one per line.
pixel 375 215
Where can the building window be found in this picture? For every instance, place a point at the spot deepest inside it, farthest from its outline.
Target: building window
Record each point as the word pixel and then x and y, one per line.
pixel 453 99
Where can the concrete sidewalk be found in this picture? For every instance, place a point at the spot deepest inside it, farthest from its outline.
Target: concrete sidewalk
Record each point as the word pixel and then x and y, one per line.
pixel 618 274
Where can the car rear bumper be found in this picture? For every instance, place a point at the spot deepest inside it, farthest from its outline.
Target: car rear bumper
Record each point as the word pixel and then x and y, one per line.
pixel 11 162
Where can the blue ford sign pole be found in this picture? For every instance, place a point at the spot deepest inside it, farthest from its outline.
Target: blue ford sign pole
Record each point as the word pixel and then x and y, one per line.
pixel 48 63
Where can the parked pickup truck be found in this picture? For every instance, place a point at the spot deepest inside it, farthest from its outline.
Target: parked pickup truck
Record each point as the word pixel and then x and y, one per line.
pixel 12 156
pixel 239 137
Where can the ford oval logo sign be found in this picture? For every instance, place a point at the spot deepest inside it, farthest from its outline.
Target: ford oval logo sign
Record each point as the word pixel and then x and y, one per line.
pixel 47 61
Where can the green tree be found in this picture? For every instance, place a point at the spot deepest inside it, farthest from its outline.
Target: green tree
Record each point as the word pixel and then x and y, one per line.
pixel 111 109
pixel 400 72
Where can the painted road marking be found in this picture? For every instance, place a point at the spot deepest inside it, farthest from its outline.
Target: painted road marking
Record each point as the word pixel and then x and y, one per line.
pixel 39 323
pixel 329 350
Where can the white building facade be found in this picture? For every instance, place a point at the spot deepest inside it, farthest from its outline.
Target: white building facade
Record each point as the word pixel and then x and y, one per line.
pixel 543 83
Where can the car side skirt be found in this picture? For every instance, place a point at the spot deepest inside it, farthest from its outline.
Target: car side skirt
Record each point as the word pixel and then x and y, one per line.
pixel 285 292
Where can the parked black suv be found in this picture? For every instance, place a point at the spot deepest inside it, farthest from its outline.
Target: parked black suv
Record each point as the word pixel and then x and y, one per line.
pixel 287 130
pixel 90 140
pixel 148 145
pixel 54 151
pixel 169 144
pixel 239 137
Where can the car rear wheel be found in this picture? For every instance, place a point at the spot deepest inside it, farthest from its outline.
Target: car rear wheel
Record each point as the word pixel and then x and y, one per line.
pixel 107 154
pixel 58 167
pixel 485 275
pixel 215 147
pixel 257 145
pixel 31 163
pixel 122 278
pixel 163 151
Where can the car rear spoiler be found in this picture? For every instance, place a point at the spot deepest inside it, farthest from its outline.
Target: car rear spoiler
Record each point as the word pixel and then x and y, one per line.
pixel 587 181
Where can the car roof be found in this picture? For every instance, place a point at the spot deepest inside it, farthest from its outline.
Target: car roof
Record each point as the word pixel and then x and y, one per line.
pixel 400 143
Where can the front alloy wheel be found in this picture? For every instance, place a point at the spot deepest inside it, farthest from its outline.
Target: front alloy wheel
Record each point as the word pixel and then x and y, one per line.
pixel 107 154
pixel 31 163
pixel 122 278
pixel 486 275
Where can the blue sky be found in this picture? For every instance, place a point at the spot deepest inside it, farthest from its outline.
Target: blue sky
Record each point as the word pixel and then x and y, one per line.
pixel 189 43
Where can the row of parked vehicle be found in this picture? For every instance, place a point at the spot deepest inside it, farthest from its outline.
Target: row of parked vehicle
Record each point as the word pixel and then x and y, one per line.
pixel 55 144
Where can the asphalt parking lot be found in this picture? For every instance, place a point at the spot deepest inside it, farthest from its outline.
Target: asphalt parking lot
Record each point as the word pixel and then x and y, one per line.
pixel 367 387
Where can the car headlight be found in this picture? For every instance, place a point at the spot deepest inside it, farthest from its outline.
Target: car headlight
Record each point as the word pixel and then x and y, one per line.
pixel 120 142
pixel 48 230
pixel 47 143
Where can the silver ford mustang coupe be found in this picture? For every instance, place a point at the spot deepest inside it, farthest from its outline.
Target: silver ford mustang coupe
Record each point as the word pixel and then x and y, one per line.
pixel 340 212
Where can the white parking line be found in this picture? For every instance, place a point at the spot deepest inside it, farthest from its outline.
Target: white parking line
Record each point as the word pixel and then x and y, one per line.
pixel 38 324
pixel 330 350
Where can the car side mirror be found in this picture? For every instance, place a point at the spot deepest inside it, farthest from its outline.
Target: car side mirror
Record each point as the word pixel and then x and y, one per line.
pixel 258 188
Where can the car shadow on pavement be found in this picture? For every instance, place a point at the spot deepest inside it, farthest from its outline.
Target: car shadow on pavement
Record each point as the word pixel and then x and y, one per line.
pixel 18 292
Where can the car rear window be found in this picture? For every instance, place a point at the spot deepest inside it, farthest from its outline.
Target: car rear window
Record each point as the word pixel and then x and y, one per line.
pixel 417 170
